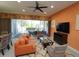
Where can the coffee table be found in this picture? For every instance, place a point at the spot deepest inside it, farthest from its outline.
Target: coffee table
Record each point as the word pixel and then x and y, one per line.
pixel 46 42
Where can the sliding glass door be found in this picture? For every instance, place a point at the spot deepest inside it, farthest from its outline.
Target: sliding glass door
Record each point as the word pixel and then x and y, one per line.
pixel 27 26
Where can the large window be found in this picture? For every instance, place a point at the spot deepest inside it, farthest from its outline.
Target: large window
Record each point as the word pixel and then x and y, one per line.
pixel 24 26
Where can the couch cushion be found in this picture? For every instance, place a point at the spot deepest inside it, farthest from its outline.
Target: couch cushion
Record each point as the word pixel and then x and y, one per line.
pixel 23 36
pixel 26 40
pixel 22 41
pixel 27 36
pixel 30 38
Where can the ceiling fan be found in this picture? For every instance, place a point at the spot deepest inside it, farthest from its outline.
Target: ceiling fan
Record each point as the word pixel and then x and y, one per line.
pixel 37 7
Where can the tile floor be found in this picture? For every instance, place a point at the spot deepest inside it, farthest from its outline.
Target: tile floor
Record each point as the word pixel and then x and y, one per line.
pixel 40 52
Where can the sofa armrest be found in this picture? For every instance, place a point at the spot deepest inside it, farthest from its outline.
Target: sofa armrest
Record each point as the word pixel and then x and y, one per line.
pixel 50 51
pixel 16 44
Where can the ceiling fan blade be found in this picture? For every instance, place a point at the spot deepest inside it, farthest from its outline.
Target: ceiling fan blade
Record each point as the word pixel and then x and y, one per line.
pixel 31 7
pixel 44 7
pixel 37 4
pixel 40 10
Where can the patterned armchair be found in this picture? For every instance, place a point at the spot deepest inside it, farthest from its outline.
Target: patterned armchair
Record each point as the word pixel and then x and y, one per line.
pixel 4 42
pixel 56 51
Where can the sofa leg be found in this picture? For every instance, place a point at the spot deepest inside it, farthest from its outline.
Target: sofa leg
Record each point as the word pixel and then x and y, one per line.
pixel 34 52
pixel 16 56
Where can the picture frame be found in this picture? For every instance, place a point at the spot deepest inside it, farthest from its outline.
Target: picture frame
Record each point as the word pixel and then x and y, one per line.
pixel 77 22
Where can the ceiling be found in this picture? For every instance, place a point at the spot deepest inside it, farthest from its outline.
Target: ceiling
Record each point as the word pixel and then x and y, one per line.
pixel 16 7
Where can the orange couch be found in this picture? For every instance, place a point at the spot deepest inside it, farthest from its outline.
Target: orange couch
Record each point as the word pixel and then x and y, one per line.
pixel 24 45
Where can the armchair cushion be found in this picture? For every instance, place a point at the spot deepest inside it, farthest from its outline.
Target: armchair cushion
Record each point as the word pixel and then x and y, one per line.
pixel 22 41
pixel 26 41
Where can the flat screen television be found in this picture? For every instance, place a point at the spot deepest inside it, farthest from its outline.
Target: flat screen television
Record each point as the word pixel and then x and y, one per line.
pixel 60 38
pixel 63 27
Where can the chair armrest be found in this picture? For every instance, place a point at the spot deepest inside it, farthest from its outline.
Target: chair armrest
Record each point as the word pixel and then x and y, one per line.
pixel 50 48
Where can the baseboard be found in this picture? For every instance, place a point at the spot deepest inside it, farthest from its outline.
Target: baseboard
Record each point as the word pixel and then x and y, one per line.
pixel 73 51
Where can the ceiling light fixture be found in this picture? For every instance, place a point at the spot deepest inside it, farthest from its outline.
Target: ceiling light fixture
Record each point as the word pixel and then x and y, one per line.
pixel 51 6
pixel 23 10
pixel 45 12
pixel 18 1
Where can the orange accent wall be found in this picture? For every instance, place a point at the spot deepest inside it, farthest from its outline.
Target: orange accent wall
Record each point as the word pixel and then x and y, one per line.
pixel 69 15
